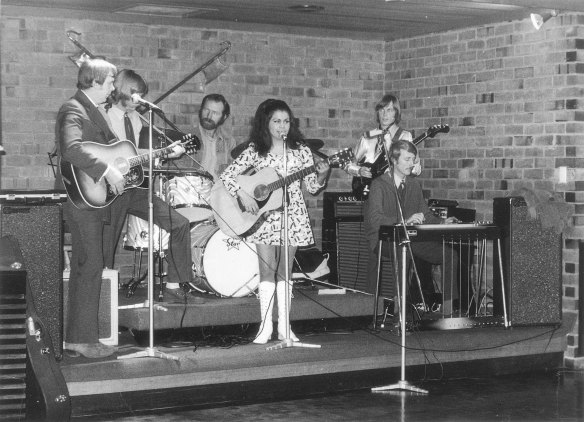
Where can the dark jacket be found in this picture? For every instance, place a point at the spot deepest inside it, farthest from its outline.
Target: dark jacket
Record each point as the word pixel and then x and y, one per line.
pixel 382 209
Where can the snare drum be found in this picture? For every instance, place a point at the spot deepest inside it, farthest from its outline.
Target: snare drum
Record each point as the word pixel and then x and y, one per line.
pixel 221 264
pixel 136 237
pixel 189 194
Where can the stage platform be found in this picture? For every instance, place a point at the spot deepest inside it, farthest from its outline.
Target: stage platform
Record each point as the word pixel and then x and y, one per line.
pixel 202 309
pixel 223 367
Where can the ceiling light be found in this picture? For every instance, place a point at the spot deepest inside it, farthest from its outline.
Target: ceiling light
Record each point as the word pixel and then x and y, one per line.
pixel 306 8
pixel 538 20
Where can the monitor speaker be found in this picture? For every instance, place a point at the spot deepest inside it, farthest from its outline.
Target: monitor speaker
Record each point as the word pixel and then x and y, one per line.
pixel 38 229
pixel 108 306
pixel 532 266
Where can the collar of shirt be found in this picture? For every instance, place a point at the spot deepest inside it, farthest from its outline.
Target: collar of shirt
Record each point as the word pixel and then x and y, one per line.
pixel 397 180
pixel 116 116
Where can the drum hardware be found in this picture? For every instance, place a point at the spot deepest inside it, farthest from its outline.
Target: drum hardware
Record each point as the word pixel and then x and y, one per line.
pixel 136 239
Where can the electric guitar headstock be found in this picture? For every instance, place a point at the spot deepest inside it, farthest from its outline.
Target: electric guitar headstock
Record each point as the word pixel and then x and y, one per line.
pixel 431 132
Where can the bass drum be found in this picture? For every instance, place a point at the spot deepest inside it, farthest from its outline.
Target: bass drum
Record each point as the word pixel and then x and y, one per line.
pixel 223 265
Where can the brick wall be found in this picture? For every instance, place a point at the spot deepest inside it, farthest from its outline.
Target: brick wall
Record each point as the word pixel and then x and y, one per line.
pixel 330 83
pixel 511 95
pixel 513 99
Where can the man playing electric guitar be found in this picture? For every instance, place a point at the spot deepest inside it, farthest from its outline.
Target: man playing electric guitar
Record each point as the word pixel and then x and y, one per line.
pixel 370 153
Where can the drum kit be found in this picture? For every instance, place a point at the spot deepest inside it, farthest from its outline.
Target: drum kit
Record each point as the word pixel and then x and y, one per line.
pixel 188 191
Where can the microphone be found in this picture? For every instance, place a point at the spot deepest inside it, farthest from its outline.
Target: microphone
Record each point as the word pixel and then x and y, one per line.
pixel 283 136
pixel 136 99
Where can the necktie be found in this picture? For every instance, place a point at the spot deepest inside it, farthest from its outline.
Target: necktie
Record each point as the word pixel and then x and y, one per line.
pixel 401 190
pixel 379 145
pixel 129 129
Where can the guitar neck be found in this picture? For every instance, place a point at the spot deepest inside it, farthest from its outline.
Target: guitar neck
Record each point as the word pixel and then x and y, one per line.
pixel 420 138
pixel 144 158
pixel 292 178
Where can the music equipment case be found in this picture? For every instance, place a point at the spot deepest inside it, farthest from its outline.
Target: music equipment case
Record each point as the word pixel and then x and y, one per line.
pixel 35 219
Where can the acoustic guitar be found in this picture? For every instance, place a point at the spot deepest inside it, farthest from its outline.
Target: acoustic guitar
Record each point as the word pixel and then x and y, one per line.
pixel 265 187
pixel 361 185
pixel 86 193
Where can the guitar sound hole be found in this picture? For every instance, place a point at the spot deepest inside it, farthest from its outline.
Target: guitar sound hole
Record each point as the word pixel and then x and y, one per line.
pixel 260 192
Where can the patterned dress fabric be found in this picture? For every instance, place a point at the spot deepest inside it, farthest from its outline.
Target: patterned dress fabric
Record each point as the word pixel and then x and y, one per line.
pixel 271 230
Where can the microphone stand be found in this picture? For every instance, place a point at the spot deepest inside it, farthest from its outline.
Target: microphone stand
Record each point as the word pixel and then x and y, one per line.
pixel 150 351
pixel 402 384
pixel 287 342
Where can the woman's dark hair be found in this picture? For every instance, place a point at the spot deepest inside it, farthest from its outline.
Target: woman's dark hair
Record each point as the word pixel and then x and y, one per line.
pixel 260 134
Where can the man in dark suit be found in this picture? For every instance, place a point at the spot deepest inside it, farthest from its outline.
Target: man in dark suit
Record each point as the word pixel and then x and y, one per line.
pixel 80 121
pixel 383 208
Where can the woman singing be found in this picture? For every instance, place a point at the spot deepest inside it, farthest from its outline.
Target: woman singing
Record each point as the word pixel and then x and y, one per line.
pixel 274 131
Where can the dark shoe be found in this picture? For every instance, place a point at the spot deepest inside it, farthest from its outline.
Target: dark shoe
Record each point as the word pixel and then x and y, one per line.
pixel 91 350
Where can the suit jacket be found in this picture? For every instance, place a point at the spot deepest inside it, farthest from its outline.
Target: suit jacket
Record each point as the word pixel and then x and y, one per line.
pixel 79 121
pixel 382 208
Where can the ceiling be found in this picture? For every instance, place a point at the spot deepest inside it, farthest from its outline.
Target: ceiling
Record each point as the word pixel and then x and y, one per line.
pixel 383 19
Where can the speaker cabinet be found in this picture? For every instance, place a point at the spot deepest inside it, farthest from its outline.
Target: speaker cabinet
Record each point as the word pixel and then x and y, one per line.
pixel 38 229
pixel 532 266
pixel 108 306
pixel 351 262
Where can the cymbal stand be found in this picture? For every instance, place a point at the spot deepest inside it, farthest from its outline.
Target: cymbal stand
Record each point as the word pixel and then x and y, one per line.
pixel 150 351
pixel 287 342
pixel 402 384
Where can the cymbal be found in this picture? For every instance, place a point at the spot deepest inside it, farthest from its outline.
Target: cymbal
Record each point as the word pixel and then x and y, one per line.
pixel 172 134
pixel 313 144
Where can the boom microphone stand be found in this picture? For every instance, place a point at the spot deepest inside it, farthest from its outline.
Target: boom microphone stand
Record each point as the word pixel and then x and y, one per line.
pixel 150 351
pixel 402 384
pixel 287 342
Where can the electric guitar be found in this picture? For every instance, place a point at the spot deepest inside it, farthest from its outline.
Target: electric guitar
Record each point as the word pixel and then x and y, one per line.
pixel 362 184
pixel 86 193
pixel 265 187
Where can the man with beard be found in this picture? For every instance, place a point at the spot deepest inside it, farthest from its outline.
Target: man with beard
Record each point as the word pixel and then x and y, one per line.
pixel 216 141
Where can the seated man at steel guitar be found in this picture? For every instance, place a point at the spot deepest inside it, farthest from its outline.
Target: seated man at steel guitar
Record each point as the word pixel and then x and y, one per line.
pixel 382 208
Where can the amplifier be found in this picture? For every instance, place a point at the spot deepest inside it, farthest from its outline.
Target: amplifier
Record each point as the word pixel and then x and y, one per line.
pixel 338 204
pixel 108 306
pixel 344 240
pixel 341 204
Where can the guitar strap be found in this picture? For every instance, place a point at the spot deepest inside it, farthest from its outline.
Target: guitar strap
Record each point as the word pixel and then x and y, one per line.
pixel 381 143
